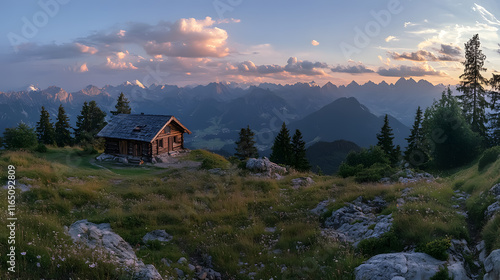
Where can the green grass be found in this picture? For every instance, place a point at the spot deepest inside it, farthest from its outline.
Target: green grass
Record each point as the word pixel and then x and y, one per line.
pixel 222 216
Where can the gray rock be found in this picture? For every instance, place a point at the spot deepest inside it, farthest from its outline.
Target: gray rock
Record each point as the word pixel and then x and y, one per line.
pixel 492 210
pixel 495 190
pixel 121 159
pixel 302 182
pixel 101 237
pixel 357 221
pixel 264 165
pixel 492 266
pixel 182 260
pixel 179 272
pixel 105 157
pixel 160 235
pixel 322 207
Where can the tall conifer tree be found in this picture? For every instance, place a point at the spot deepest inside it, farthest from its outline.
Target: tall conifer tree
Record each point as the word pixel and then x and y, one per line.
pixel 122 106
pixel 245 146
pixel 282 148
pixel 385 142
pixel 415 153
pixel 45 129
pixel 299 159
pixel 472 83
pixel 63 135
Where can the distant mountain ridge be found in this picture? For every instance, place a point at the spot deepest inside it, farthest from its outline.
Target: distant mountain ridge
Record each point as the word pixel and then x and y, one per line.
pixel 216 112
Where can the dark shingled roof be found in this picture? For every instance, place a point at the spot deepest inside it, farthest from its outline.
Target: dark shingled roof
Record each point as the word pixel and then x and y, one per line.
pixel 137 127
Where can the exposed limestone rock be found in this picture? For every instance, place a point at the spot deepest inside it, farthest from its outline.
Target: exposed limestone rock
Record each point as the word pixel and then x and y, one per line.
pixel 101 237
pixel 160 235
pixel 302 182
pixel 492 266
pixel 264 166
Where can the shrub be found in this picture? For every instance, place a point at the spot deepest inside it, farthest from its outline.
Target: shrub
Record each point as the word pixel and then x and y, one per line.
pixel 41 148
pixel 437 248
pixel 20 137
pixel 442 274
pixel 346 170
pixel 373 174
pixel 387 243
pixel 489 156
pixel 491 234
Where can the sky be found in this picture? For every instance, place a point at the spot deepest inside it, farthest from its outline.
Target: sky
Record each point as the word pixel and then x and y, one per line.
pixel 73 44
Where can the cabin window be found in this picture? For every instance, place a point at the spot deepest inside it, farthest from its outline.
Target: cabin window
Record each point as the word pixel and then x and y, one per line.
pixel 160 143
pixel 166 130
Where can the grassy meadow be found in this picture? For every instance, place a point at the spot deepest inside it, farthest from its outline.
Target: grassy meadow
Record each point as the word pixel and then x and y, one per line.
pixel 245 226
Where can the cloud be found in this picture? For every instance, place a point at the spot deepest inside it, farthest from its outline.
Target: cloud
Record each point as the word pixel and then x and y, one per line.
pixel 53 51
pixel 305 67
pixel 409 23
pixel 424 55
pixel 391 38
pixel 79 69
pixel 293 67
pixel 314 43
pixel 409 71
pixel 448 49
pixel 486 15
pixel 352 69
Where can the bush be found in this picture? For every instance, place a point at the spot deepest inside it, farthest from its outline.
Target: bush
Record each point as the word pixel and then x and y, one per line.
pixel 346 170
pixel 20 137
pixel 491 234
pixel 41 148
pixel 209 160
pixel 387 243
pixel 437 248
pixel 442 274
pixel 373 174
pixel 489 156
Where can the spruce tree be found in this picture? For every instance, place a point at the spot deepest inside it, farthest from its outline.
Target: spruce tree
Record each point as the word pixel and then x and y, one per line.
pixel 299 159
pixel 245 146
pixel 415 153
pixel 45 129
pixel 385 141
pixel 89 122
pixel 473 99
pixel 494 116
pixel 21 137
pixel 282 148
pixel 63 135
pixel 122 106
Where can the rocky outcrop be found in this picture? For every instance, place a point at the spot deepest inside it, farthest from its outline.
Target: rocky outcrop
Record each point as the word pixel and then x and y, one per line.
pixel 302 182
pixel 263 166
pixel 358 221
pixel 160 235
pixel 492 266
pixel 495 190
pixel 101 237
pixel 407 266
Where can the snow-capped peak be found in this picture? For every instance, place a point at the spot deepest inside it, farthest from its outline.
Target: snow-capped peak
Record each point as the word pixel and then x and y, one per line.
pixel 134 83
pixel 32 88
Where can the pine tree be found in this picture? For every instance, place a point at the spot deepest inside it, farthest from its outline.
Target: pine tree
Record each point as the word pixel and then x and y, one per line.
pixel 45 129
pixel 473 100
pixel 494 116
pixel 415 153
pixel 282 148
pixel 385 142
pixel 20 137
pixel 246 145
pixel 299 160
pixel 89 122
pixel 122 106
pixel 63 135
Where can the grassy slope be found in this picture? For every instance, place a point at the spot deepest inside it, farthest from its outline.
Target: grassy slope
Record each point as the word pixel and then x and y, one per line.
pixel 222 216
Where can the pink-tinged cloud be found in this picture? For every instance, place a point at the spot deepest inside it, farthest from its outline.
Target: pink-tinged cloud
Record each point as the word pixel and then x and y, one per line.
pixel 293 67
pixel 190 38
pixel 410 71
pixel 424 55
pixel 314 43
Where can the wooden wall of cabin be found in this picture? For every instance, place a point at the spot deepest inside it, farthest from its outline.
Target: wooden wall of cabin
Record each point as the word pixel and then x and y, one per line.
pixel 128 147
pixel 170 139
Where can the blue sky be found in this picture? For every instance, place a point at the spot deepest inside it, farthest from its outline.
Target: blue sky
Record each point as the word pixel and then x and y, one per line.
pixel 76 43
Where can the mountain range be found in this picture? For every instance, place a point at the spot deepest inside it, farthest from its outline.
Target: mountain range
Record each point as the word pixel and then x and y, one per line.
pixel 217 111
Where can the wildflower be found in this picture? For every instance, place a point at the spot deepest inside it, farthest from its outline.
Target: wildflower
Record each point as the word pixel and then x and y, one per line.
pixel 38 264
pixel 38 257
pixel 92 265
pixel 23 253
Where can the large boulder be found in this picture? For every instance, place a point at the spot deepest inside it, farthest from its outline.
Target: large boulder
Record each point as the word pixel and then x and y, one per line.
pixel 492 210
pixel 358 221
pixel 407 266
pixel 492 266
pixel 101 237
pixel 264 165
pixel 495 190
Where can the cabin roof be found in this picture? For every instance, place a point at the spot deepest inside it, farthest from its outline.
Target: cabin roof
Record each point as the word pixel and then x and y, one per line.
pixel 138 126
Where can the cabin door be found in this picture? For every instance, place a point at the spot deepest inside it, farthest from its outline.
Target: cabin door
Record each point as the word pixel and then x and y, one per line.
pixel 137 149
pixel 170 144
pixel 123 147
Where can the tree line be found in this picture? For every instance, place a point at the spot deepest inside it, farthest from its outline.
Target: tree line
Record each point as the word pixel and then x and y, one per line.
pixel 90 121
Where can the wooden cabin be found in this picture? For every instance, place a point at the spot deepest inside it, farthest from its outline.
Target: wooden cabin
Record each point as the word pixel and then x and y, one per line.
pixel 143 136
